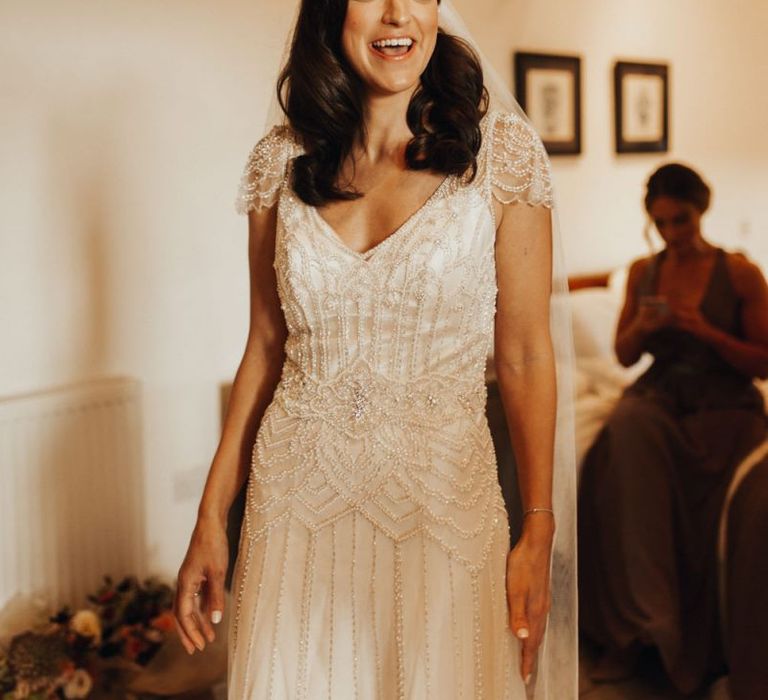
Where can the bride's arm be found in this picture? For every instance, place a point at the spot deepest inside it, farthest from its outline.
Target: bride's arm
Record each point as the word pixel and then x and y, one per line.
pixel 256 377
pixel 525 368
pixel 205 564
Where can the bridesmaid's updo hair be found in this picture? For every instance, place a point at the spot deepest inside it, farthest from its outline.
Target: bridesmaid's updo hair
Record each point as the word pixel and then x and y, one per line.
pixel 678 182
pixel 323 99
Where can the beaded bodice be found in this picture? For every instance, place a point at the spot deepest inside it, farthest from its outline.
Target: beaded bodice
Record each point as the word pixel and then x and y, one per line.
pixel 380 407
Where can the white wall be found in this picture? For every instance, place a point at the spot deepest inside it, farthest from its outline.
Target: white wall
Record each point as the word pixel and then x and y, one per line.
pixel 719 110
pixel 123 129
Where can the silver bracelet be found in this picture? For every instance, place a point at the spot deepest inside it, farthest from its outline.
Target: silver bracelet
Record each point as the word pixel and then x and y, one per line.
pixel 538 510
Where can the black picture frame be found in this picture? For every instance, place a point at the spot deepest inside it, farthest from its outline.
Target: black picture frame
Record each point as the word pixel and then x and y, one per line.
pixel 548 88
pixel 641 107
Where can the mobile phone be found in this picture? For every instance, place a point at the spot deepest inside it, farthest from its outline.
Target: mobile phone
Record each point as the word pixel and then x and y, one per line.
pixel 657 303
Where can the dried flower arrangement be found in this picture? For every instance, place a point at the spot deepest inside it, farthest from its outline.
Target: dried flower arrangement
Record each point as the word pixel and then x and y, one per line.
pixel 126 625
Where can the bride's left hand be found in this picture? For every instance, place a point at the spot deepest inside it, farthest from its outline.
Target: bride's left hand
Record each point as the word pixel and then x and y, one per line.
pixel 528 590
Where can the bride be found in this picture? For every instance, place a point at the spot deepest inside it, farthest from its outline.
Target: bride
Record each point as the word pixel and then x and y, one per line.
pixel 400 232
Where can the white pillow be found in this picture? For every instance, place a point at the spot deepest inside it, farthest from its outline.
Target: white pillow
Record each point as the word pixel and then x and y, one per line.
pixel 617 281
pixel 595 313
pixel 606 377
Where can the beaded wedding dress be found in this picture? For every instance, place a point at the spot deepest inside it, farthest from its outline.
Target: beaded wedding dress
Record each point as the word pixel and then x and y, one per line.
pixel 373 555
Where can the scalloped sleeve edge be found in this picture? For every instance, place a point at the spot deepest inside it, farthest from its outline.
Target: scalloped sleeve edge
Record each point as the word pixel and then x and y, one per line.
pixel 265 171
pixel 519 168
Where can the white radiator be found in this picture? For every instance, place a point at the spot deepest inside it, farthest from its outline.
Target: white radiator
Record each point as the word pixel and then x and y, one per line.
pixel 71 490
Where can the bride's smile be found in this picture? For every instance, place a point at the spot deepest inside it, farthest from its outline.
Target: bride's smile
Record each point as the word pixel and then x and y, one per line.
pixel 389 43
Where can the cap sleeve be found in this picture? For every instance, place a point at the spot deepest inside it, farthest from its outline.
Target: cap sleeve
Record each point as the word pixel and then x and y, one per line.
pixel 266 169
pixel 519 167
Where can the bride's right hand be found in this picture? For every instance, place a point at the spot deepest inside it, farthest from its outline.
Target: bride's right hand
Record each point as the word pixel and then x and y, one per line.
pixel 199 597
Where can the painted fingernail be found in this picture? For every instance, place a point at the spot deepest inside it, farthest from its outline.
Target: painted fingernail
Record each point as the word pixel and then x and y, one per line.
pixel 522 633
pixel 216 617
pixel 528 679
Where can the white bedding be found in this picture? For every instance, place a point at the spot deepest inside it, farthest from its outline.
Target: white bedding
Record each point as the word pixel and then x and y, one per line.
pixel 599 378
pixel 599 382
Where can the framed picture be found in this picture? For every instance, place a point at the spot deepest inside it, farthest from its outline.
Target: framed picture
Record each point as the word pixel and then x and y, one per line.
pixel 548 88
pixel 641 96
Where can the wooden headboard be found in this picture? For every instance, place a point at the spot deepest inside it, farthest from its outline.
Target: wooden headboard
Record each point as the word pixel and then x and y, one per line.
pixel 599 279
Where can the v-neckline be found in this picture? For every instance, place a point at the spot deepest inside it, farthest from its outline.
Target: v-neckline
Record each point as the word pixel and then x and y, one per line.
pixel 710 279
pixel 368 254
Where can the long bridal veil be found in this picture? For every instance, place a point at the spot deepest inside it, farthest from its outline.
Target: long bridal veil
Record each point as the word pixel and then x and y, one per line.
pixel 556 677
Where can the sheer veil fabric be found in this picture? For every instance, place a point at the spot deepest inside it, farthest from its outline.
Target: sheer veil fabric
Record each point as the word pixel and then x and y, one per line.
pixel 556 675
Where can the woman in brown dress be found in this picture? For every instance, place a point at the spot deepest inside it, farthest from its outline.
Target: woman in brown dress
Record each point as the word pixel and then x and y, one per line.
pixel 654 482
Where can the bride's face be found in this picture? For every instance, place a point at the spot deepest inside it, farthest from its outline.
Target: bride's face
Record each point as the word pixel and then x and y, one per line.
pixel 371 27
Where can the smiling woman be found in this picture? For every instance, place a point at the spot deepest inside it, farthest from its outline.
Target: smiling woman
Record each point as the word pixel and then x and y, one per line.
pixel 400 234
pixel 335 79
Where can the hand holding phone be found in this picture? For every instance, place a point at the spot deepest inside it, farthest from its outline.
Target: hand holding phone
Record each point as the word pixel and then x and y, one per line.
pixel 654 313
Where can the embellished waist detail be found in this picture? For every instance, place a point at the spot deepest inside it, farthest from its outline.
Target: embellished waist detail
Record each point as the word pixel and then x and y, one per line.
pixel 359 398
pixel 409 456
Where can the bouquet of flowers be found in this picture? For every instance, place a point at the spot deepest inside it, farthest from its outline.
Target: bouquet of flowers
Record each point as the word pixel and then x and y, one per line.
pixel 135 618
pixel 62 658
pixel 52 661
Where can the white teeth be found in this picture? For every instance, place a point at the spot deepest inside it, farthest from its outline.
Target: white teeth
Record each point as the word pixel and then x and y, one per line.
pixel 384 43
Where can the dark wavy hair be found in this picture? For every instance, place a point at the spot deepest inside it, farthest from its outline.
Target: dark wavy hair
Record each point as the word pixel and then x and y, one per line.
pixel 323 99
pixel 679 182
